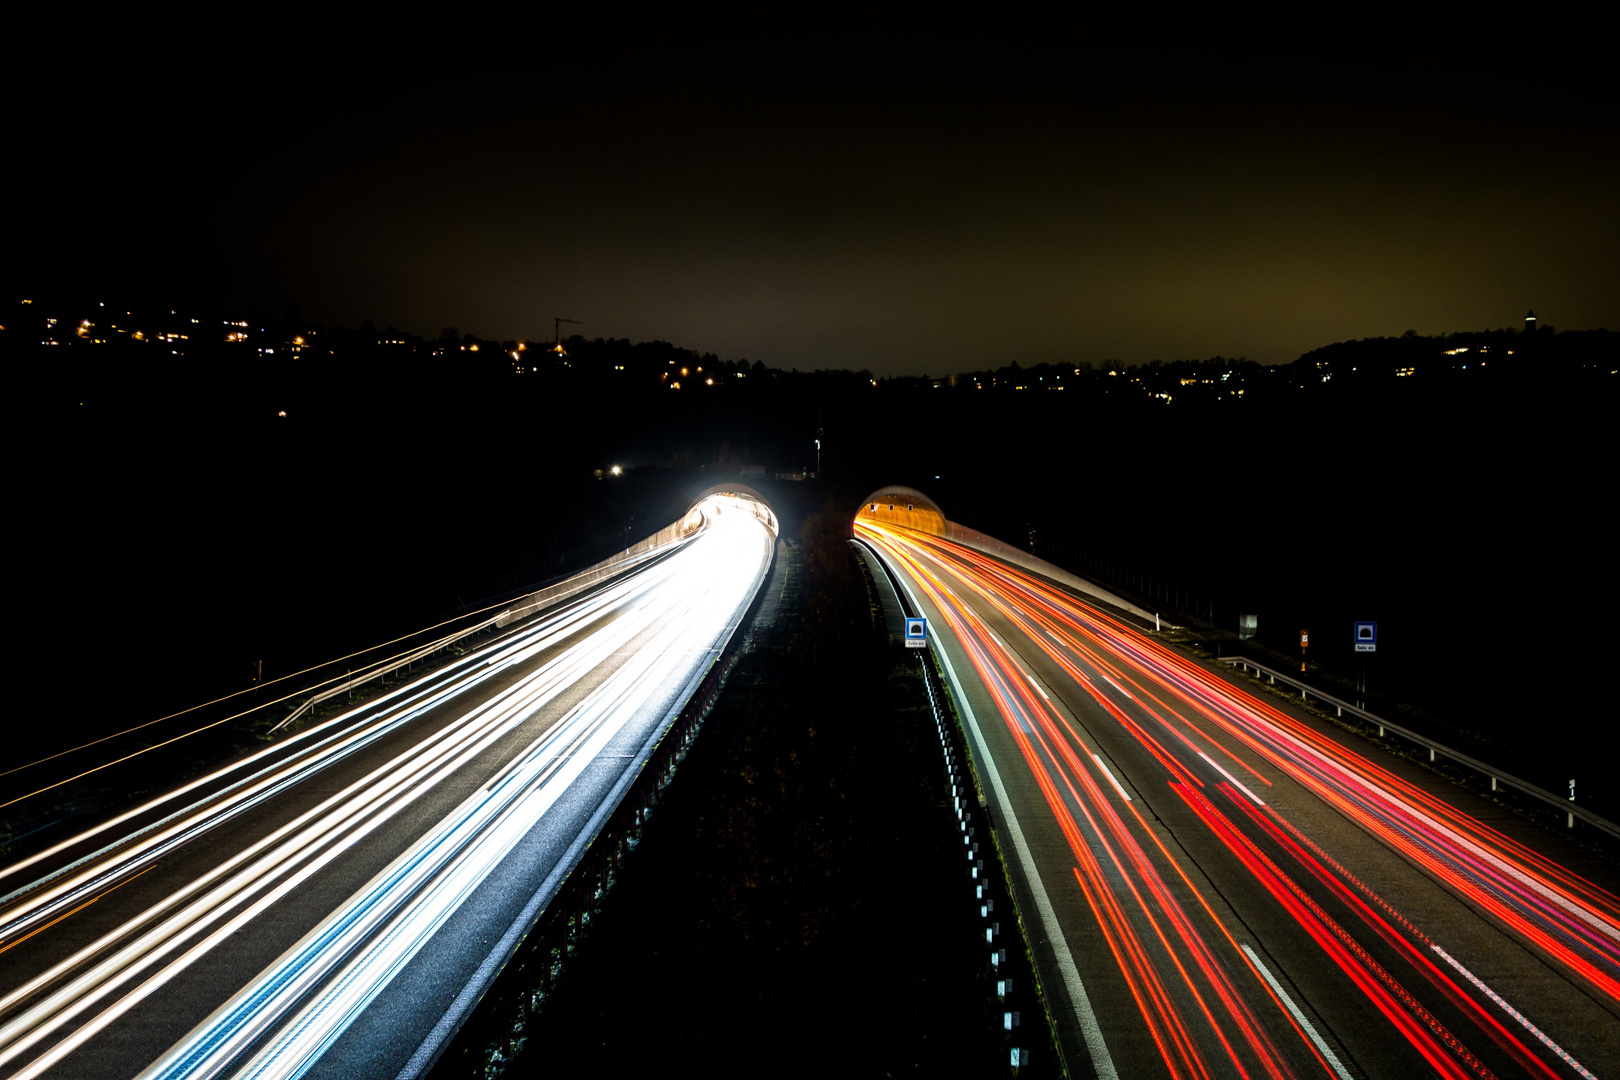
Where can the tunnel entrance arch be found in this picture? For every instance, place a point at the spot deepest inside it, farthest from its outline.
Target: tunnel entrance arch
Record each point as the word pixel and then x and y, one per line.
pixel 896 504
pixel 758 504
pixel 909 508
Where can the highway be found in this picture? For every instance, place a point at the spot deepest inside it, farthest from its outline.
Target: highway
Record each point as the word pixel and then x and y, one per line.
pixel 1218 885
pixel 322 906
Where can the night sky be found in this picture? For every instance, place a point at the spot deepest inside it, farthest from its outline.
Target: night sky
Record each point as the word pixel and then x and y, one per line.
pixel 907 196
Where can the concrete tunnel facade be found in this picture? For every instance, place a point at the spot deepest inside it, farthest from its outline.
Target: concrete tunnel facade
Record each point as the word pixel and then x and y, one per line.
pixel 761 505
pixel 897 504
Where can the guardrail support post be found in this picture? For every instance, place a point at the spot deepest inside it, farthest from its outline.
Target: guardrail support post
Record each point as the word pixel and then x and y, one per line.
pixel 1480 768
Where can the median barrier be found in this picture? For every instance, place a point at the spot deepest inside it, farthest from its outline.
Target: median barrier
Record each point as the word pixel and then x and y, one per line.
pixel 991 884
pixel 486 1026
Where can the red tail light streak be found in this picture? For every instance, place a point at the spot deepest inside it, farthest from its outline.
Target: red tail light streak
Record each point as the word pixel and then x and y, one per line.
pixel 1242 770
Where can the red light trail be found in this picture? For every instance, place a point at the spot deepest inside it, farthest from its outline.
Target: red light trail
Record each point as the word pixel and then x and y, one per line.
pixel 1209 1006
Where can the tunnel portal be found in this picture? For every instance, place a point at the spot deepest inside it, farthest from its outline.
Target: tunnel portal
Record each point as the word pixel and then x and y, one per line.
pixel 897 504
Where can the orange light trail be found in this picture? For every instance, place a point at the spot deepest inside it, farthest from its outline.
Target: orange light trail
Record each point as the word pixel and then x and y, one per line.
pixel 1188 720
pixel 1185 994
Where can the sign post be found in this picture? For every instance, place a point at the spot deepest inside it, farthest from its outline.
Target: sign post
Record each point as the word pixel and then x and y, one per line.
pixel 1366 642
pixel 1304 641
pixel 916 633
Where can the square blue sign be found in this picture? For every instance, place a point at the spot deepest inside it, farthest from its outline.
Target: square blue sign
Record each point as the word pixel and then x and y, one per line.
pixel 916 633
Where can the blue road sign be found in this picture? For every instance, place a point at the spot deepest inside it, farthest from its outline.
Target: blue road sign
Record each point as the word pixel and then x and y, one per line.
pixel 1366 637
pixel 916 633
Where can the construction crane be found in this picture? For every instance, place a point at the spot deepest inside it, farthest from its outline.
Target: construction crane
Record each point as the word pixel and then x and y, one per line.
pixel 556 333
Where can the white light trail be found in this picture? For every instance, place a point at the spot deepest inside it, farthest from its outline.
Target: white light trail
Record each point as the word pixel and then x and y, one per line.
pixel 650 632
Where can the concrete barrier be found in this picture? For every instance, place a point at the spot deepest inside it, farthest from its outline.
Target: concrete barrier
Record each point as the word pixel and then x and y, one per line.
pixel 675 533
pixel 1022 559
pixel 653 546
pixel 908 508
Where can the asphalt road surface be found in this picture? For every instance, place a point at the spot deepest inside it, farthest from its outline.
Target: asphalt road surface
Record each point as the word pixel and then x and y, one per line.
pixel 1218 885
pixel 321 907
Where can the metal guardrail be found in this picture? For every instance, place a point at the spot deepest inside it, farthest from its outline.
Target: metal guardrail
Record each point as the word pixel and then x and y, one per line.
pixel 520 608
pixel 487 1024
pixel 393 665
pixel 1497 776
pixel 972 813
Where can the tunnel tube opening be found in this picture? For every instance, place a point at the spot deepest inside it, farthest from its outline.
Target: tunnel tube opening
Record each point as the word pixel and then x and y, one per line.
pixel 904 506
pixel 730 497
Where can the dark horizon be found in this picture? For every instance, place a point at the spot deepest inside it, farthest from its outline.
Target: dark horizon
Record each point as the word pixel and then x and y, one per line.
pixel 900 198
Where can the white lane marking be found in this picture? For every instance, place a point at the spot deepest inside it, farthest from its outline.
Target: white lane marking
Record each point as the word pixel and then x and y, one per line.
pixel 1035 684
pixel 1110 776
pixel 1118 687
pixel 1066 645
pixel 1101 1059
pixel 1327 1052
pixel 1234 780
pixel 1028 675
pixel 1515 1013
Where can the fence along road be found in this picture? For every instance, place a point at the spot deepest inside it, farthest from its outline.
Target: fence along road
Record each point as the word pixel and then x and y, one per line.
pixel 298 913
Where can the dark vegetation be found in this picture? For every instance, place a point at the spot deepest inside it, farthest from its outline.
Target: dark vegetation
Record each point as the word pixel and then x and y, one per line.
pixel 799 903
pixel 176 529
pixel 1464 515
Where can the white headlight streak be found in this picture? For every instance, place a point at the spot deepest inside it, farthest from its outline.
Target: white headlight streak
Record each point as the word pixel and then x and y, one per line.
pixel 643 638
